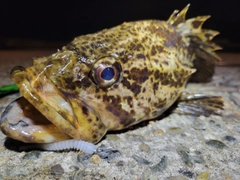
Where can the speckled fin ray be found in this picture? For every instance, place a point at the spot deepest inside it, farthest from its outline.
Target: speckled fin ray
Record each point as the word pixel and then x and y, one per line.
pixel 199 41
pixel 199 104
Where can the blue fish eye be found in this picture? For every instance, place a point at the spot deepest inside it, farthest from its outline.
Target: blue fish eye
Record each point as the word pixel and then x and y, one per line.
pixel 108 73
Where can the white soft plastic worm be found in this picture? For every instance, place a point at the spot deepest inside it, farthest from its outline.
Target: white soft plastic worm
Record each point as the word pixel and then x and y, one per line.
pixel 84 146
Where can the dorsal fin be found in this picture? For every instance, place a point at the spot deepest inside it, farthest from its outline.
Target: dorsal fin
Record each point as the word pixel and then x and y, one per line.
pixel 199 41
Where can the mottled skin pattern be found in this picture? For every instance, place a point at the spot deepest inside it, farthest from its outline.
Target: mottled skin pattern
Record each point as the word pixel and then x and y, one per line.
pixel 154 62
pixel 150 81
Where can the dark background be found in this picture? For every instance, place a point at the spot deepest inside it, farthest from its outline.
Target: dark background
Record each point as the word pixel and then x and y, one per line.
pixel 39 24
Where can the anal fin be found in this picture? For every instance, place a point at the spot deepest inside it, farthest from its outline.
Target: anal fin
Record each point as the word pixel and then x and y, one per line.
pixel 199 104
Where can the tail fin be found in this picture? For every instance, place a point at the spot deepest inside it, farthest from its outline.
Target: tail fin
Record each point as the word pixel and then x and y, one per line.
pixel 199 41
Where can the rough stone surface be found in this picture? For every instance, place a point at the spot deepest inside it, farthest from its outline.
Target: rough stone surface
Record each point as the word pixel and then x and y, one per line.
pixel 174 147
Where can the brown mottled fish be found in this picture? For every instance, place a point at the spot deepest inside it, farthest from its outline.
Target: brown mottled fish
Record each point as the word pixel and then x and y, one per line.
pixel 113 79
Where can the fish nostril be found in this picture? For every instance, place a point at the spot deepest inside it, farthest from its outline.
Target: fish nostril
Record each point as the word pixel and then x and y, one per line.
pixel 15 69
pixel 19 123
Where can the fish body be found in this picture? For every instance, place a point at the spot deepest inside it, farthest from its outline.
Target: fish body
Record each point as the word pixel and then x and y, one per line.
pixel 109 80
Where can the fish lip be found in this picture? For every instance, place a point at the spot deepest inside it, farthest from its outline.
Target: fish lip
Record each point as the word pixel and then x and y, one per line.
pixel 37 90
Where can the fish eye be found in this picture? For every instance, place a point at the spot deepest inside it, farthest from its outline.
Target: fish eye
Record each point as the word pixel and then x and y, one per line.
pixel 106 72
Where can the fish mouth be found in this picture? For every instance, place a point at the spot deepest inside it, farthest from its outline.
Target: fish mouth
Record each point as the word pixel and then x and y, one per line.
pixel 63 109
pixel 22 121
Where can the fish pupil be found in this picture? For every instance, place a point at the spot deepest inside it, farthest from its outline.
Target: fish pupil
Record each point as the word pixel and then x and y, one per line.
pixel 107 73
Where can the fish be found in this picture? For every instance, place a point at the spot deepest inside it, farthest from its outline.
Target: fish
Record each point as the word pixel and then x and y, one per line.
pixel 113 79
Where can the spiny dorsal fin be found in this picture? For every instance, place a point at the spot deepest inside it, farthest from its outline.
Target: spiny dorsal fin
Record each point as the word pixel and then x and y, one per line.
pixel 198 41
pixel 177 18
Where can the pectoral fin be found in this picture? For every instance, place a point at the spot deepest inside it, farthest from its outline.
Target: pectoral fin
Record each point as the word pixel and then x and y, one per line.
pixel 199 104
